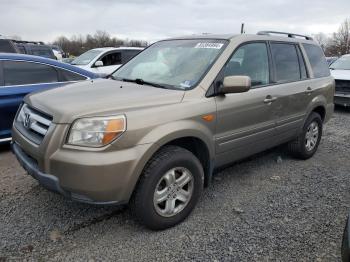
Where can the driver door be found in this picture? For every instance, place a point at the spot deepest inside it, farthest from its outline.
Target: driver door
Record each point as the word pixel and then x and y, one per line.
pixel 246 121
pixel 111 62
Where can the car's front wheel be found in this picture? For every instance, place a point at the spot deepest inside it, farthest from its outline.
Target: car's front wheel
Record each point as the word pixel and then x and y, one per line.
pixel 169 188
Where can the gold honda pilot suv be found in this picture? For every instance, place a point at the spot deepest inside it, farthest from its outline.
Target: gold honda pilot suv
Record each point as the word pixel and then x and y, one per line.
pixel 153 133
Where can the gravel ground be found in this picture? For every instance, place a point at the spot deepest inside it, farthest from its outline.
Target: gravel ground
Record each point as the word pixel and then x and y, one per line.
pixel 269 207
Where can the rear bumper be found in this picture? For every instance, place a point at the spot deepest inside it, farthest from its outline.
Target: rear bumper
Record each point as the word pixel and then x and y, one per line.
pixel 342 99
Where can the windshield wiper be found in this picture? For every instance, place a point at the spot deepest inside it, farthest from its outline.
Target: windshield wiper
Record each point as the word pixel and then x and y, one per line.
pixel 110 76
pixel 140 81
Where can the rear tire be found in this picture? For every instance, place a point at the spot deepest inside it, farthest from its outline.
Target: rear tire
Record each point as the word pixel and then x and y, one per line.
pixel 169 188
pixel 306 144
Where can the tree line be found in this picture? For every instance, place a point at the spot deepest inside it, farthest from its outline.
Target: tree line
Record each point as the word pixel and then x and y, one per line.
pixel 79 44
pixel 336 44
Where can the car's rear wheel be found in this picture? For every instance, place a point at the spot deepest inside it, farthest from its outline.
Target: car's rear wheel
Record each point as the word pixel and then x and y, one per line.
pixel 306 144
pixel 169 188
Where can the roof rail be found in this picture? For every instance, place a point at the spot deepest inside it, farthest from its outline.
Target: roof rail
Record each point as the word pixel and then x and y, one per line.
pixel 27 42
pixel 284 33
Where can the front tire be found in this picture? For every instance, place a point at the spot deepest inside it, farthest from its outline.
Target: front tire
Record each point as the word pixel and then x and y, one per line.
pixel 306 144
pixel 169 188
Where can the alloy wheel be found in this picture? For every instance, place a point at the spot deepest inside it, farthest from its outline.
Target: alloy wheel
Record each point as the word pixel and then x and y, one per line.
pixel 173 191
pixel 311 136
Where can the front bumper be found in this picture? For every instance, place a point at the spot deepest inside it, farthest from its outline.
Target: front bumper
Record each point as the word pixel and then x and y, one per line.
pixel 342 99
pixel 95 177
pixel 30 165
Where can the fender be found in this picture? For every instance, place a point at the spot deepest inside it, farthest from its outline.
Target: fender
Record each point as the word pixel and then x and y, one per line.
pixel 168 132
pixel 317 101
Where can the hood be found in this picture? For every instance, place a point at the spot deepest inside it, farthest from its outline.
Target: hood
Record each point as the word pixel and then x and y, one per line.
pixel 101 97
pixel 340 74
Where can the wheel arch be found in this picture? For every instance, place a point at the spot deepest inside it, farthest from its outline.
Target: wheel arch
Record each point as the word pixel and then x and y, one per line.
pixel 321 110
pixel 317 105
pixel 192 141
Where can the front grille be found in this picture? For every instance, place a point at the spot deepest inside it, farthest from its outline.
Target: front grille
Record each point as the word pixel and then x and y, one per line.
pixel 342 86
pixel 32 123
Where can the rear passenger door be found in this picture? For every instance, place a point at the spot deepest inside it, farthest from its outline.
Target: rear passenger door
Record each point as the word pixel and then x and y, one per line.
pixel 18 79
pixel 292 88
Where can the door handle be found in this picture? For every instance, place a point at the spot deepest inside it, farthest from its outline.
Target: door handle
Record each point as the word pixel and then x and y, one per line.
pixel 269 99
pixel 308 91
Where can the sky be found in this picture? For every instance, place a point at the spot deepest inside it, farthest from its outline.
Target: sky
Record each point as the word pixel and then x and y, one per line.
pixel 152 20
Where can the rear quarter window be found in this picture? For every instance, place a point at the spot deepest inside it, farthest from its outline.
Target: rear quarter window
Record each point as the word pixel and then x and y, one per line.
pixel 317 60
pixel 66 75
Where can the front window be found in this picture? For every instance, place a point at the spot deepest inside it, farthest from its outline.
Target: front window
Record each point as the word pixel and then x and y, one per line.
pixel 342 63
pixel 177 64
pixel 250 60
pixel 86 57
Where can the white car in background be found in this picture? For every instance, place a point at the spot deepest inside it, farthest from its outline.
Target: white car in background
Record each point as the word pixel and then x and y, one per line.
pixel 105 60
pixel 58 52
pixel 340 70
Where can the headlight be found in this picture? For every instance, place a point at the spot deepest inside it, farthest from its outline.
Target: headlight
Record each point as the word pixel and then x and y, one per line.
pixel 96 131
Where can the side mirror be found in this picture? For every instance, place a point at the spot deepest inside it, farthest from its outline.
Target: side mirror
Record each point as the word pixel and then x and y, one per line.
pixel 98 63
pixel 236 84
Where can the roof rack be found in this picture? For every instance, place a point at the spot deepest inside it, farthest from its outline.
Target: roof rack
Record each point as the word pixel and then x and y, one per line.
pixel 27 42
pixel 284 33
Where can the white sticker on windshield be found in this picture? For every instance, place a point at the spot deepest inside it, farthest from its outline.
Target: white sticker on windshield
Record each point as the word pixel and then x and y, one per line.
pixel 186 83
pixel 209 45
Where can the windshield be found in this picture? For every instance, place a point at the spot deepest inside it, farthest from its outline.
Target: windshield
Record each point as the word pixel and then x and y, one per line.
pixel 178 64
pixel 342 63
pixel 86 57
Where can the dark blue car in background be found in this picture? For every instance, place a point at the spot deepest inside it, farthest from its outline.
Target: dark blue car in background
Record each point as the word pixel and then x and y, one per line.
pixel 23 74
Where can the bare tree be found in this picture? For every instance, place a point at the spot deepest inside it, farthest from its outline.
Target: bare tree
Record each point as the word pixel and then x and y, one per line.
pixel 102 38
pixel 340 42
pixel 78 44
pixel 321 39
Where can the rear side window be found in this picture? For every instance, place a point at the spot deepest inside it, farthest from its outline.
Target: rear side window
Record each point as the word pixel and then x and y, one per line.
pixel 21 49
pixel 128 55
pixel 112 59
pixel 42 52
pixel 24 73
pixel 69 76
pixel 6 47
pixel 250 60
pixel 286 61
pixel 317 60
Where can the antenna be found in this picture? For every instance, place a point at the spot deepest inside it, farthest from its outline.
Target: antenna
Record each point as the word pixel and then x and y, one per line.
pixel 242 29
